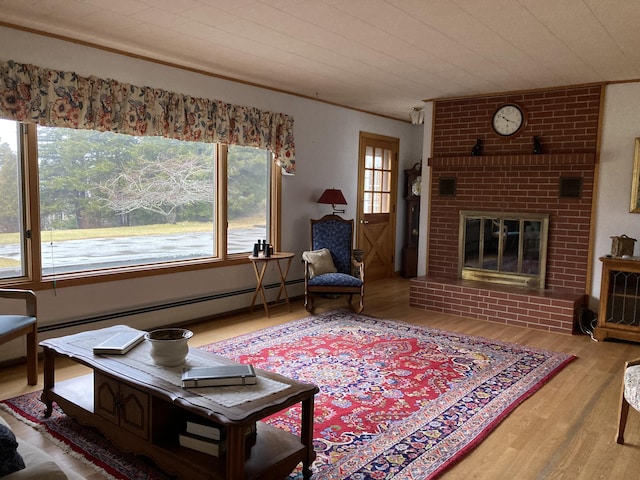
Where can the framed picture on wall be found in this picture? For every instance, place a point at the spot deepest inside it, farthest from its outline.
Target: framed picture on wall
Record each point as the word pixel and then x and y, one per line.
pixel 635 185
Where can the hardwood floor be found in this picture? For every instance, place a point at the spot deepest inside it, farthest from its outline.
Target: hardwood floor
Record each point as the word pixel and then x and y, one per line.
pixel 564 431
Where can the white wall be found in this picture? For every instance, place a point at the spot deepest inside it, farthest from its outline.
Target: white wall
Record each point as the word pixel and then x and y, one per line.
pixel 426 188
pixel 327 139
pixel 620 127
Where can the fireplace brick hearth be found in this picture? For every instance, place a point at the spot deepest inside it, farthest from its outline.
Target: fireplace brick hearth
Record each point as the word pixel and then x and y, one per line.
pixel 549 310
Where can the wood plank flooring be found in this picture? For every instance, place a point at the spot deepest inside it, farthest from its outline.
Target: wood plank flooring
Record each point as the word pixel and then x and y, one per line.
pixel 564 431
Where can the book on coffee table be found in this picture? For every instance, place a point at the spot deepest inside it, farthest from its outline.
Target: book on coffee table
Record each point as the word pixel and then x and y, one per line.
pixel 120 343
pixel 202 430
pixel 202 444
pixel 214 433
pixel 219 375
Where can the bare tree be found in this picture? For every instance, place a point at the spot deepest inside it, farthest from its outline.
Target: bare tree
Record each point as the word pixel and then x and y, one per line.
pixel 160 186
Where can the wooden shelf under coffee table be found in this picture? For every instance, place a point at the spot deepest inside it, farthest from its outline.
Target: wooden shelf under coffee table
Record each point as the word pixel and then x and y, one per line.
pixel 142 409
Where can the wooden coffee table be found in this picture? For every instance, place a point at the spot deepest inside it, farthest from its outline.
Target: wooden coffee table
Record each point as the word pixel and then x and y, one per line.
pixel 142 409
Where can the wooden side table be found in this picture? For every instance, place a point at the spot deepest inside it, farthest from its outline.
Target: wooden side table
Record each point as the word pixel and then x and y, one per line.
pixel 260 265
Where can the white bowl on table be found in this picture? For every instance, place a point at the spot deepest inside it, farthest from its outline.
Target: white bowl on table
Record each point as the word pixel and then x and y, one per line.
pixel 169 346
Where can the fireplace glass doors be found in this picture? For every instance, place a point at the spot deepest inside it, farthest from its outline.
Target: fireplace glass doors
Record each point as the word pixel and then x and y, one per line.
pixel 500 247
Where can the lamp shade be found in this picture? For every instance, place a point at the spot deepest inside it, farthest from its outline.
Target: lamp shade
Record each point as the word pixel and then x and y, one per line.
pixel 332 196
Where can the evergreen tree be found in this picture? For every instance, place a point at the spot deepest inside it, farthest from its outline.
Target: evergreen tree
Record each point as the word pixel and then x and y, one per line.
pixel 9 192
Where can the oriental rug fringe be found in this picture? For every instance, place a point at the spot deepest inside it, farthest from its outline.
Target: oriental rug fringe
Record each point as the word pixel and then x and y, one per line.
pixel 397 401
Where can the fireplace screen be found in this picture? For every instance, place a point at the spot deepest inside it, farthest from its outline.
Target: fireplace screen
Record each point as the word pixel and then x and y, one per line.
pixel 499 247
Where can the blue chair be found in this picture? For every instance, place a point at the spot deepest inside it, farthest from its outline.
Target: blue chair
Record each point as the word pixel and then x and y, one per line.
pixel 330 268
pixel 15 326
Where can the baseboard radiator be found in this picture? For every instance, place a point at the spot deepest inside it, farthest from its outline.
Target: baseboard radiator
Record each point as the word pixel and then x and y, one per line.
pixel 156 307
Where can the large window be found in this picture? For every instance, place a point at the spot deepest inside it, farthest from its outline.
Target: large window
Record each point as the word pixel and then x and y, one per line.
pixel 248 199
pixel 12 228
pixel 108 201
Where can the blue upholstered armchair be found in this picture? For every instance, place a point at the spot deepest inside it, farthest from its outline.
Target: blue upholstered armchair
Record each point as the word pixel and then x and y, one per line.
pixel 330 268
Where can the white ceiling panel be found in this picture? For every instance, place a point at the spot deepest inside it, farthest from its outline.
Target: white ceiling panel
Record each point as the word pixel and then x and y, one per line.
pixel 208 15
pixel 172 6
pixel 122 7
pixel 383 56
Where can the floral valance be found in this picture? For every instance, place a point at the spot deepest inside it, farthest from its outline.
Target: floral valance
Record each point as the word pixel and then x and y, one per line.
pixel 33 94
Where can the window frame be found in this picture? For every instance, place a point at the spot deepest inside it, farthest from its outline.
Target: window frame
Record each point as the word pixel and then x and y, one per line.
pixel 34 279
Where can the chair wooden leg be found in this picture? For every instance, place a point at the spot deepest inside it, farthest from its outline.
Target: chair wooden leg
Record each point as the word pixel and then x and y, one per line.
pixel 360 305
pixel 308 303
pixel 622 419
pixel 32 357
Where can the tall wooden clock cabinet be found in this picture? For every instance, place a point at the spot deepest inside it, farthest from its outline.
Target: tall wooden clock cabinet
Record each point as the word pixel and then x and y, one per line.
pixel 412 185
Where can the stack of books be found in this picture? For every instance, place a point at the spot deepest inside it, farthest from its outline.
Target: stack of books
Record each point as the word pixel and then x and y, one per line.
pixel 209 439
pixel 203 438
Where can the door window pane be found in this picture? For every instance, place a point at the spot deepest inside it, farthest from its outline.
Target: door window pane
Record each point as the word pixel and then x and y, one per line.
pixel 367 204
pixel 386 181
pixel 368 180
pixel 385 202
pixel 378 158
pixel 368 158
pixel 387 160
pixel 377 181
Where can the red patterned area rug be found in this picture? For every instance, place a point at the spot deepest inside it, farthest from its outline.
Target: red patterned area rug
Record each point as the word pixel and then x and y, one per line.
pixel 397 401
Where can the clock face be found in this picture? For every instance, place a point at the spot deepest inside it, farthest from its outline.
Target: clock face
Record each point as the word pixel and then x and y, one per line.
pixel 415 186
pixel 508 120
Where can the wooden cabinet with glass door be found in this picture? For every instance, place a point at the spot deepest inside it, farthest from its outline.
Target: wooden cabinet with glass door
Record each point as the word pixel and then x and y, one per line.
pixel 619 314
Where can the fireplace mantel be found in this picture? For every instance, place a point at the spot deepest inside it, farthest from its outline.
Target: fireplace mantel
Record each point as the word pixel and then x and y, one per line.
pixel 529 161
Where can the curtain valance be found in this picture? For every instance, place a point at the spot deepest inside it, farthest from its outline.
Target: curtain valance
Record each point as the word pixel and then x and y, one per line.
pixel 33 94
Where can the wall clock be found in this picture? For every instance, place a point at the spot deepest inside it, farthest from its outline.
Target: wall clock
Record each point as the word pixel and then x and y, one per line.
pixel 508 120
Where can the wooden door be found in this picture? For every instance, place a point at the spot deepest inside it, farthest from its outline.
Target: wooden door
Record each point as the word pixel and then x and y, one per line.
pixel 377 193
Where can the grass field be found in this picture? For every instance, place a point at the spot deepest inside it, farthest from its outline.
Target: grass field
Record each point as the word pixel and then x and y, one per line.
pixel 161 229
pixel 137 231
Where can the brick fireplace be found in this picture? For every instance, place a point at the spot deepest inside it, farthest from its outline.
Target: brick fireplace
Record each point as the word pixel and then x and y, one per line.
pixel 509 177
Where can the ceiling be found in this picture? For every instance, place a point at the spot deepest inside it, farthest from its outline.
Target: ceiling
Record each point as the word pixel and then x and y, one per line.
pixel 380 56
